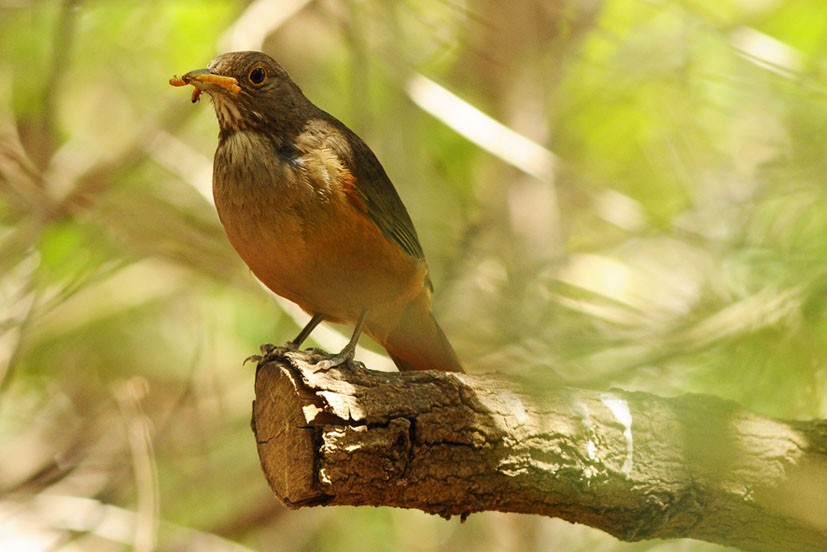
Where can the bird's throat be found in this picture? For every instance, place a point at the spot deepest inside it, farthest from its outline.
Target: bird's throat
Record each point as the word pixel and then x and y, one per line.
pixel 230 117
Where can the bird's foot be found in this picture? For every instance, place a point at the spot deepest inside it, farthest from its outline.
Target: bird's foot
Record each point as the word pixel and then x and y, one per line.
pixel 268 353
pixel 290 345
pixel 344 357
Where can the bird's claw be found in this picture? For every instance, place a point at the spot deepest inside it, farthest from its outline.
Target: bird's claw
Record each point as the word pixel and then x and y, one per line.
pixel 345 357
pixel 329 363
pixel 268 352
pixel 290 345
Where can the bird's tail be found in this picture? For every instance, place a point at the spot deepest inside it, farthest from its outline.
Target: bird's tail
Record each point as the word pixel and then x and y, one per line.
pixel 418 342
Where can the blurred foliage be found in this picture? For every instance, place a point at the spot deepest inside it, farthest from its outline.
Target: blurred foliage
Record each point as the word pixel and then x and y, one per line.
pixel 678 245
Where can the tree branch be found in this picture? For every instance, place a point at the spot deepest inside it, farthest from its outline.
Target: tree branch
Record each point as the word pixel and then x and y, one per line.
pixel 632 464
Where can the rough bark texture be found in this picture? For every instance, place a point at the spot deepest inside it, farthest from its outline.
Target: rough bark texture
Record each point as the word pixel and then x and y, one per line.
pixel 632 464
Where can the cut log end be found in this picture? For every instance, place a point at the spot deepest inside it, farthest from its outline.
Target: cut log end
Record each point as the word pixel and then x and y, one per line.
pixel 285 440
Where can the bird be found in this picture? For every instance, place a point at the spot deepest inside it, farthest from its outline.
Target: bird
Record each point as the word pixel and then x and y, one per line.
pixel 309 208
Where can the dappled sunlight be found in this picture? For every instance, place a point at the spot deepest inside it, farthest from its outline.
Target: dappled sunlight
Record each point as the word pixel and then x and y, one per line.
pixel 609 194
pixel 648 283
pixel 620 410
pixel 727 448
pixel 481 129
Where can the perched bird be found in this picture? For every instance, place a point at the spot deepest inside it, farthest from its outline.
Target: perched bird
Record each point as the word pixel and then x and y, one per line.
pixel 311 211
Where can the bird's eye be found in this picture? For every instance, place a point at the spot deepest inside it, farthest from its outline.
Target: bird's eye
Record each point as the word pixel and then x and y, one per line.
pixel 257 76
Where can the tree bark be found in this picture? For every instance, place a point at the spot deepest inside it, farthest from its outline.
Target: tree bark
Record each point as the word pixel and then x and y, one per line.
pixel 632 464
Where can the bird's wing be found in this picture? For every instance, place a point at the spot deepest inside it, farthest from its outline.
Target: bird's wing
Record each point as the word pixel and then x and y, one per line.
pixel 383 205
pixel 368 187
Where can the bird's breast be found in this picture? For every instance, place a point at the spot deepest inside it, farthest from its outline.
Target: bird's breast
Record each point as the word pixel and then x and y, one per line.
pixel 288 215
pixel 264 204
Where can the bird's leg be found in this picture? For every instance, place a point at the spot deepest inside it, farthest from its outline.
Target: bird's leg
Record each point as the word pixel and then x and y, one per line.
pixel 268 350
pixel 294 344
pixel 346 354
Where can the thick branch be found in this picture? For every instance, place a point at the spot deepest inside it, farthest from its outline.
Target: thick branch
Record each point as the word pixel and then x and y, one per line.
pixel 632 464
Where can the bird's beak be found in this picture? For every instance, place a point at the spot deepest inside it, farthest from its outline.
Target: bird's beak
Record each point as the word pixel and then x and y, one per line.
pixel 205 80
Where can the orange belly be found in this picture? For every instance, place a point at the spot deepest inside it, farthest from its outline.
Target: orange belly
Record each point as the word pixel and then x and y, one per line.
pixel 312 245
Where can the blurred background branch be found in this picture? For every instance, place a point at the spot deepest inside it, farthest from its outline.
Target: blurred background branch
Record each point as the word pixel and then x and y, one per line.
pixel 630 192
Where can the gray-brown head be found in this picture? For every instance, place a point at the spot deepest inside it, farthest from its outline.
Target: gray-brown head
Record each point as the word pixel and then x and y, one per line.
pixel 251 91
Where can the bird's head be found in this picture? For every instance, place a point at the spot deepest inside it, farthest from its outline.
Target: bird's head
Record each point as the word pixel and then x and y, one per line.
pixel 249 90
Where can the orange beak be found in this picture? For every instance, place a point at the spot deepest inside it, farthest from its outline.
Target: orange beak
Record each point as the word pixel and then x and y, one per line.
pixel 205 80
